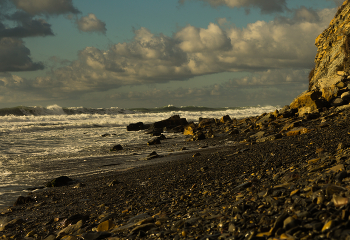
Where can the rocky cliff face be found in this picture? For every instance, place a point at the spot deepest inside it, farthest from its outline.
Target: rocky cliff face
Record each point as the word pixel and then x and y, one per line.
pixel 328 81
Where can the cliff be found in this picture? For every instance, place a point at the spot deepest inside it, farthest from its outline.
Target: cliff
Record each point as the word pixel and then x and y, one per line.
pixel 328 81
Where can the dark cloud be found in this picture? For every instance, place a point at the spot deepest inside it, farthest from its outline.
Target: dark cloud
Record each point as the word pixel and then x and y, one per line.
pixel 17 21
pixel 46 7
pixel 27 26
pixel 14 56
pixel 91 23
pixel 265 6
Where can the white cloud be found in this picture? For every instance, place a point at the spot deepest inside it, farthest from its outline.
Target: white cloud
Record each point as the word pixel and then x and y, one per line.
pixel 91 23
pixel 148 58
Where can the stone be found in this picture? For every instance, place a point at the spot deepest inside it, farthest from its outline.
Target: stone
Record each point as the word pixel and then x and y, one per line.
pixel 345 96
pixel 152 155
pixel 136 126
pixel 340 85
pixel 154 141
pixel 328 93
pixel 116 148
pixel 70 229
pixel 290 126
pixel 258 134
pixel 297 131
pixel 23 200
pixel 13 223
pixel 59 182
pixel 105 226
pixel 234 132
pixel 190 129
pixel 96 235
pixel 50 237
pixel 198 136
pixel 289 223
pixel 338 102
pixel 225 119
pixel 307 102
pixel 206 122
pixel 171 122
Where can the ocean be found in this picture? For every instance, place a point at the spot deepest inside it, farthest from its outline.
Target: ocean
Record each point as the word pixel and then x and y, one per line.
pixel 41 143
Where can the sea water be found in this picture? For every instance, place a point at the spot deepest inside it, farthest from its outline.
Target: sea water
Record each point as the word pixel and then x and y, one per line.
pixel 40 143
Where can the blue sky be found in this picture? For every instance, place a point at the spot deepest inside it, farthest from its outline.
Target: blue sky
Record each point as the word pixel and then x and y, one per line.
pixel 215 53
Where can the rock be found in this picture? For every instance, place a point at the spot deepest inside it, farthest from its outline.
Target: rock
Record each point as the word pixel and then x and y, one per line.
pixel 59 182
pixel 171 122
pixel 307 102
pixel 71 229
pixel 116 148
pixel 338 102
pixel 289 223
pixel 13 223
pixel 23 200
pixel 328 93
pixel 286 112
pixel 198 136
pixel 234 132
pixel 297 131
pixel 113 183
pixel 258 135
pixel 154 141
pixel 105 226
pixel 225 119
pixel 96 235
pixel 190 129
pixel 206 122
pixel 162 137
pixel 345 96
pixel 136 126
pixel 152 155
pixel 266 119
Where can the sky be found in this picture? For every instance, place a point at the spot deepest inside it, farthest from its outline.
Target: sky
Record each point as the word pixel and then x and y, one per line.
pixel 137 53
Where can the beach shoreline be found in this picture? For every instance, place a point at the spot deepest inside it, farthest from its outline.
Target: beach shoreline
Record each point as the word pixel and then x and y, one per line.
pixel 213 193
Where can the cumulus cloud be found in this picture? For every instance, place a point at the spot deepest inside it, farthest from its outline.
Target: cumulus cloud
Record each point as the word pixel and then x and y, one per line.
pixel 265 6
pixel 191 51
pixel 91 23
pixel 47 7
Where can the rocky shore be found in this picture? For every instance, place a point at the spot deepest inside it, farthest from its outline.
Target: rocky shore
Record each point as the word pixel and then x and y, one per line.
pixel 281 175
pixel 284 178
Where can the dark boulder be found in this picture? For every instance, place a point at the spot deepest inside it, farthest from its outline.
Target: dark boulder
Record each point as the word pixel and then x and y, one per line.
pixel 116 148
pixel 171 122
pixel 59 182
pixel 154 141
pixel 23 200
pixel 137 126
